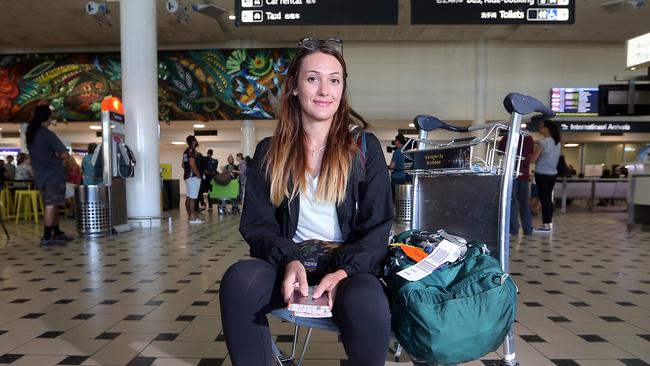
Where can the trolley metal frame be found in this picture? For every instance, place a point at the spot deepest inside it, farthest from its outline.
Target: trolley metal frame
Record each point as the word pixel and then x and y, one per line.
pixel 518 105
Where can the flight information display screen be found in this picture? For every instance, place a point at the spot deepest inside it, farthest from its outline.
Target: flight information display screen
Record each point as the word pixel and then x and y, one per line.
pixel 575 101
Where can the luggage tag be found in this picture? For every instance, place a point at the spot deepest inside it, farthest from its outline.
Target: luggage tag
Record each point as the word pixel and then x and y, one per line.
pixel 445 252
pixel 415 253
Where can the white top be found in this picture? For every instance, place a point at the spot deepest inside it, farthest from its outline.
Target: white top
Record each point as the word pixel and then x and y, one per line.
pixel 547 161
pixel 317 220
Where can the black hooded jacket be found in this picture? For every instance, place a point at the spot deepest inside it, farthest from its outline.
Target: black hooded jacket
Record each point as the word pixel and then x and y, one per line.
pixel 365 217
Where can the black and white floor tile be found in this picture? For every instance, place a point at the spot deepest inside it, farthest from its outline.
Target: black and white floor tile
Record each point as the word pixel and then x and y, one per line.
pixel 150 297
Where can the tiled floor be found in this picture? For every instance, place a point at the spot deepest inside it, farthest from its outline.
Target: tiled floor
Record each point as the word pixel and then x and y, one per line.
pixel 149 297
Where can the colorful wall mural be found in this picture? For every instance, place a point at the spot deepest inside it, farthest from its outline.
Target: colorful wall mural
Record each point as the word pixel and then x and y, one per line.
pixel 198 85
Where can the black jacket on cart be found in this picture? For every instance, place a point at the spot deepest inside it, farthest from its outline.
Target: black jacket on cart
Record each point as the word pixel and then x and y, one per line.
pixel 365 217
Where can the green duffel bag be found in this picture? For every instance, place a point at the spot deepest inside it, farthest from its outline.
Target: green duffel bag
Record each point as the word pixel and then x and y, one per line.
pixel 456 314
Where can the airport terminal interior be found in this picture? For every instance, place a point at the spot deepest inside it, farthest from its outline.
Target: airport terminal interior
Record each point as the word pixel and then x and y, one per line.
pixel 139 284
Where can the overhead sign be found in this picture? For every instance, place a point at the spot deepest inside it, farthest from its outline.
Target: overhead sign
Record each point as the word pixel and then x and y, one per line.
pixel 638 51
pixel 492 11
pixel 316 12
pixel 599 126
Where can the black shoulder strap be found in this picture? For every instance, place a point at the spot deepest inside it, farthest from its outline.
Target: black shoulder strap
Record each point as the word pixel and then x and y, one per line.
pixel 360 159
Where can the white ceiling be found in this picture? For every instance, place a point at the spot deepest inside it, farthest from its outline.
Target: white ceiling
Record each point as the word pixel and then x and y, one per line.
pixel 38 24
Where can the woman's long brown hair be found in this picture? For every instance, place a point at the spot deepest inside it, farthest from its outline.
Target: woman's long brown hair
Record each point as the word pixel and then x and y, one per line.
pixel 286 164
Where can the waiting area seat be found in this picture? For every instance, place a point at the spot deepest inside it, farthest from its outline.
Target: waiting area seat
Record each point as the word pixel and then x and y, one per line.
pixel 590 189
pixel 224 195
pixel 8 195
pixel 29 202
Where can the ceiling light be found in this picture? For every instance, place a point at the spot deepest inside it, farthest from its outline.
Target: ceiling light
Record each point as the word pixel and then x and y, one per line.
pixel 524 125
pixel 199 125
pixel 178 143
pixel 571 145
pixel 412 125
pixel 632 68
pixel 95 127
pixel 0 128
pixel 232 15
pixel 629 149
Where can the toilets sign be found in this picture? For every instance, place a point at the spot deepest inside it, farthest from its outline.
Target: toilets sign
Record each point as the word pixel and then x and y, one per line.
pixel 492 11
pixel 315 12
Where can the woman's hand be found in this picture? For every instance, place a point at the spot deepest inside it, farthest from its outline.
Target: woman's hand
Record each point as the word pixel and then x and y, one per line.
pixel 295 278
pixel 329 284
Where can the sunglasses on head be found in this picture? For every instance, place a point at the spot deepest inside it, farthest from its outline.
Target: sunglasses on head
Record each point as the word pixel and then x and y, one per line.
pixel 315 43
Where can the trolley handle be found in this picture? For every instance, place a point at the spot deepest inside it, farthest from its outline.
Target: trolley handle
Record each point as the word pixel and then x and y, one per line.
pixel 525 104
pixel 429 123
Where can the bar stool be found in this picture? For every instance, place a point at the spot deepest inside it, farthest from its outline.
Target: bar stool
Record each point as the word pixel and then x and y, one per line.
pixel 7 201
pixel 36 203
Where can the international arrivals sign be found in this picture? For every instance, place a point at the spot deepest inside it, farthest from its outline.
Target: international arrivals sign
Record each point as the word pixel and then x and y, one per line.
pixel 596 127
pixel 614 127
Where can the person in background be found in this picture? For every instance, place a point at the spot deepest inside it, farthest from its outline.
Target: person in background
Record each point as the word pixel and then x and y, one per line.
pixel 546 156
pixel 535 206
pixel 72 181
pixel 231 167
pixel 397 164
pixel 519 207
pixel 10 168
pixel 3 174
pixel 209 170
pixel 47 154
pixel 563 169
pixel 572 170
pixel 242 167
pixel 23 170
pixel 88 170
pixel 192 176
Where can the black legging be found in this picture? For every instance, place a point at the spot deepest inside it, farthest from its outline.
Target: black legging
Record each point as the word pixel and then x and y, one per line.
pixel 545 185
pixel 250 289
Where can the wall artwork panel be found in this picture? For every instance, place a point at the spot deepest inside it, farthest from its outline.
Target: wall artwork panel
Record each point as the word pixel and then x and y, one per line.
pixel 196 85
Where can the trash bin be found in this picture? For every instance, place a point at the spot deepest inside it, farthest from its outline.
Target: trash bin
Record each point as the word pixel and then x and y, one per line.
pixel 403 203
pixel 93 210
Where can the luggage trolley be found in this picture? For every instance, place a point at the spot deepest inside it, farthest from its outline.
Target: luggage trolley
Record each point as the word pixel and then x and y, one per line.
pixel 466 194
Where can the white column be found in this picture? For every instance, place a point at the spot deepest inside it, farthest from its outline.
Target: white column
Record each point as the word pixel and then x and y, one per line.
pixel 140 98
pixel 480 96
pixel 248 138
pixel 23 139
pixel 481 81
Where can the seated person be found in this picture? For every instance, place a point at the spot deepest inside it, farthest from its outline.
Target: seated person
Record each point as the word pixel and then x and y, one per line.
pixel 308 182
pixel 23 171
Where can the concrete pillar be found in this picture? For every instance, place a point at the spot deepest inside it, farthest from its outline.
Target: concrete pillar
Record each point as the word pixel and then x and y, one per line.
pixel 480 93
pixel 480 110
pixel 23 139
pixel 140 97
pixel 248 138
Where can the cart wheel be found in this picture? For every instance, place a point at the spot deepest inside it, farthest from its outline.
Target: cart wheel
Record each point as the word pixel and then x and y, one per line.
pixel 509 363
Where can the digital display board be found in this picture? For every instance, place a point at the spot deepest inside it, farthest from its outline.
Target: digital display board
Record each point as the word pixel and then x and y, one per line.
pixel 492 11
pixel 316 12
pixel 575 101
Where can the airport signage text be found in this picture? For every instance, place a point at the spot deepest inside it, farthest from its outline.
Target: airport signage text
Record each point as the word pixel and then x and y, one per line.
pixel 492 11
pixel 315 12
